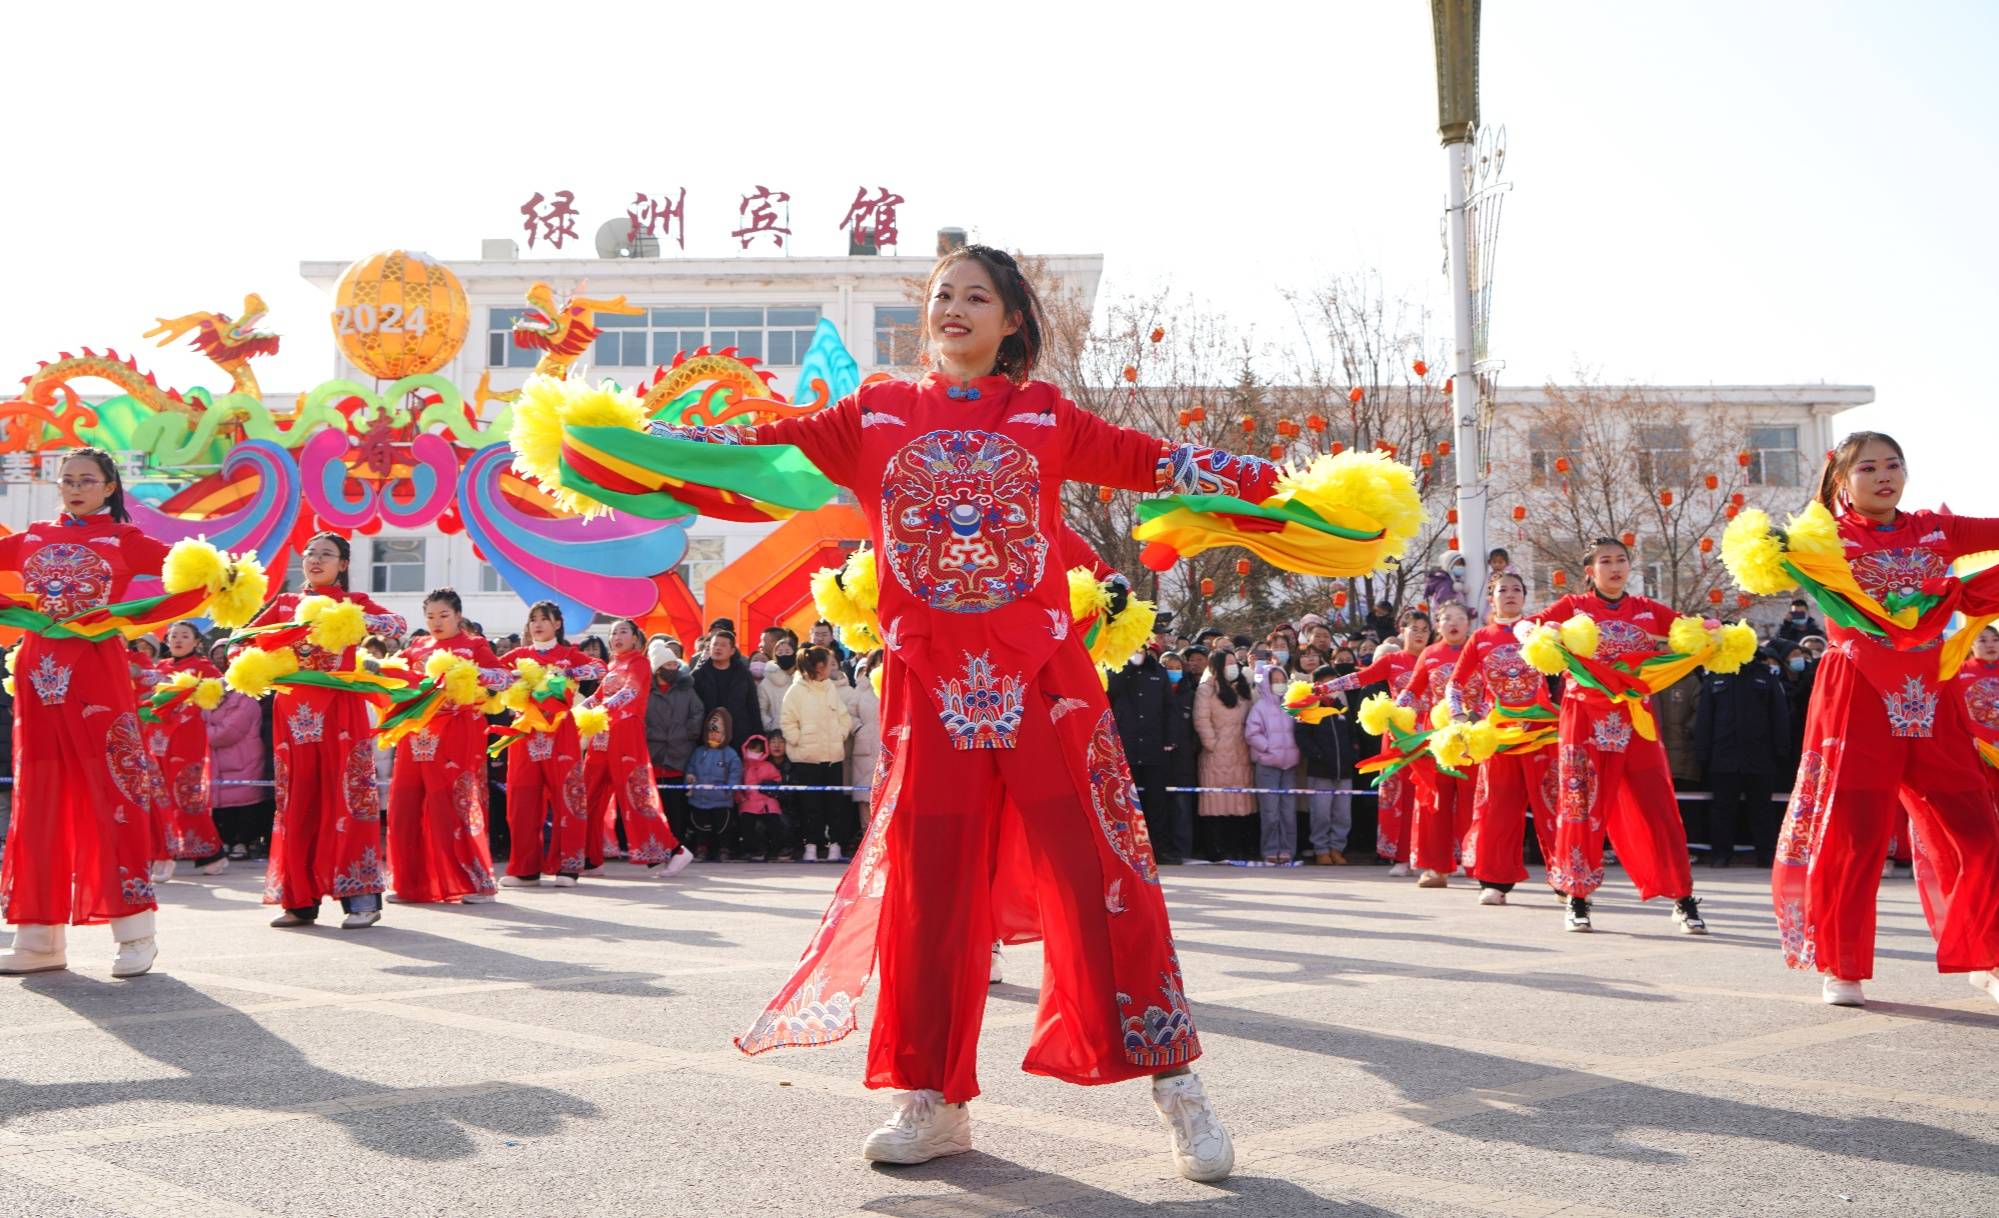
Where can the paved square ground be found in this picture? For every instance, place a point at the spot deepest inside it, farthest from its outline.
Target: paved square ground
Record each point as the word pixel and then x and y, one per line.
pixel 1377 1049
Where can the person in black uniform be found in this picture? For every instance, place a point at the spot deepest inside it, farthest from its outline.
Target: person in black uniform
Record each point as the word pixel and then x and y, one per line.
pixel 1742 732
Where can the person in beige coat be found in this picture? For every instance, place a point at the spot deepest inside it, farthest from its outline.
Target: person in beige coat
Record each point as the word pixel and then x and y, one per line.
pixel 816 727
pixel 1221 709
pixel 864 746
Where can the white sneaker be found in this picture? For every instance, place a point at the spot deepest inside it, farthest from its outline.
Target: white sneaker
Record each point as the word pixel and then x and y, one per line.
pixel 361 919
pixel 558 881
pixel 810 855
pixel 37 949
pixel 515 881
pixel 1400 870
pixel 1201 1144
pixel 163 870
pixel 1492 896
pixel 478 898
pixel 1841 993
pixel 213 867
pixel 1575 915
pixel 1687 916
pixel 135 956
pixel 998 971
pixel 1986 980
pixel 1433 879
pixel 922 1127
pixel 677 863
pixel 833 852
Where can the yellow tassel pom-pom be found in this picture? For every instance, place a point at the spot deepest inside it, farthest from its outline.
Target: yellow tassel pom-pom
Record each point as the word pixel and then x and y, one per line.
pixel 546 405
pixel 395 663
pixel 1124 634
pixel 1370 484
pixel 8 684
pixel 208 694
pixel 309 608
pixel 1440 714
pixel 1481 741
pixel 1579 635
pixel 254 670
pixel 1737 646
pixel 243 595
pixel 337 625
pixel 590 720
pixel 1543 651
pixel 461 684
pixel 1688 636
pixel 1375 711
pixel 1298 693
pixel 1087 598
pixel 1447 745
pixel 863 581
pixel 194 563
pixel 515 697
pixel 1754 556
pixel 438 663
pixel 177 682
pixel 1813 531
pixel 874 679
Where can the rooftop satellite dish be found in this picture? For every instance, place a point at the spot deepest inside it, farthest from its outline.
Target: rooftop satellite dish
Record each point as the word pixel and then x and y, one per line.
pixel 614 240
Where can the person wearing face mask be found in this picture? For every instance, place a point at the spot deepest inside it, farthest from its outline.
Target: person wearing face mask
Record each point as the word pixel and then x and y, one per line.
pixel 1183 751
pixel 1798 623
pixel 1138 694
pixel 1798 674
pixel 1221 714
pixel 779 671
pixel 673 728
pixel 1273 754
pixel 1740 731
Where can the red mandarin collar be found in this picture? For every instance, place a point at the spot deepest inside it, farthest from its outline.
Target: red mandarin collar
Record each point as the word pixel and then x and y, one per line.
pixel 989 388
pixel 96 522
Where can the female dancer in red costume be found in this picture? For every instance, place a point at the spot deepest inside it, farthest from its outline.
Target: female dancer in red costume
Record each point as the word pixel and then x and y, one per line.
pixel 1978 685
pixel 618 772
pixel 1490 673
pixel 326 839
pixel 1881 724
pixel 1395 798
pixel 179 745
pixel 1610 776
pixel 79 845
pixel 437 789
pixel 1443 803
pixel 994 728
pixel 545 771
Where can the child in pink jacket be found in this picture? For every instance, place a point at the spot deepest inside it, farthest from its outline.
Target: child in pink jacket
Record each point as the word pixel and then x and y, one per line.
pixel 763 818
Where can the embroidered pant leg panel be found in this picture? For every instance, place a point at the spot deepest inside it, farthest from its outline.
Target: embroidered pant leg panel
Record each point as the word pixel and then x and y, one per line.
pixel 185 770
pixel 1576 867
pixel 648 838
pixel 1435 817
pixel 456 805
pixel 1499 820
pixel 529 795
pixel 1394 804
pixel 1643 818
pixel 600 809
pixel 1956 839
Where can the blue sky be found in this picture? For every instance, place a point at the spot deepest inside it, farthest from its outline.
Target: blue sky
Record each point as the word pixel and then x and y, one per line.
pixel 1703 192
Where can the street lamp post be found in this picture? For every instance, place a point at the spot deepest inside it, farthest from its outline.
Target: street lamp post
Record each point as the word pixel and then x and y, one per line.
pixel 1454 29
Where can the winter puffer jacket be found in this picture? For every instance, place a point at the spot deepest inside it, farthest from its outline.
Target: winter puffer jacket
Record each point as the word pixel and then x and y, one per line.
pixel 816 722
pixel 236 750
pixel 1268 730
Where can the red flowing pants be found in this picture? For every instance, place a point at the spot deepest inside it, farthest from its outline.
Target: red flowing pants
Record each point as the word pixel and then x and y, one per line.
pixel 1442 802
pixel 437 811
pixel 181 750
pixel 1509 785
pixel 1627 791
pixel 545 786
pixel 327 838
pixel 618 774
pixel 79 843
pixel 1395 803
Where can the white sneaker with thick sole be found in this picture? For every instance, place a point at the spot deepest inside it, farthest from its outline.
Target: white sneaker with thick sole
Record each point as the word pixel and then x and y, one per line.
pixel 478 898
pixel 163 870
pixel 361 919
pixel 1201 1145
pixel 1492 896
pixel 922 1127
pixel 997 973
pixel 1575 916
pixel 517 881
pixel 676 864
pixel 558 881
pixel 1399 870
pixel 137 949
pixel 809 854
pixel 1986 980
pixel 37 949
pixel 1838 992
pixel 1687 916
pixel 213 867
pixel 833 852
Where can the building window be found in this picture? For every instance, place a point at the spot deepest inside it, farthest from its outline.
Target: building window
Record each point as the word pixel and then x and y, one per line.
pixel 1773 457
pixel 776 336
pixel 500 349
pixel 490 579
pixel 898 341
pixel 398 565
pixel 1662 456
pixel 1655 580
pixel 704 559
pixel 1546 445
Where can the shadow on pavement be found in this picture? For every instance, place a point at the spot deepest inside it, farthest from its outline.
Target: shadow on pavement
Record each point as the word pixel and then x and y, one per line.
pixel 992 1185
pixel 234 1062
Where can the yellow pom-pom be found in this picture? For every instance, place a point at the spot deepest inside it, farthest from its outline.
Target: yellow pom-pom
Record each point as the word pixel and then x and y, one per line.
pixel 1087 597
pixel 1688 636
pixel 12 653
pixel 863 581
pixel 1449 746
pixel 1481 741
pixel 1124 633
pixel 309 608
pixel 874 679
pixel 1813 531
pixel 438 663
pixel 545 407
pixel 8 683
pixel 1579 635
pixel 1753 555
pixel 396 663
pixel 461 684
pixel 1375 711
pixel 1298 693
pixel 193 563
pixel 1440 714
pixel 175 683
pixel 515 697
pixel 208 694
pixel 254 670
pixel 1403 718
pixel 1365 484
pixel 590 720
pixel 337 626
pixel 1543 651
pixel 1736 647
pixel 242 595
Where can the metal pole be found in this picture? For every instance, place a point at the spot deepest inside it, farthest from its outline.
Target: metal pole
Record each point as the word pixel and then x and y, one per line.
pixel 1464 383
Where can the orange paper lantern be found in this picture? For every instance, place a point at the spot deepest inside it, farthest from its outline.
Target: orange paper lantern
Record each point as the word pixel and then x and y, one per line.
pixel 1198 414
pixel 1130 374
pixel 1450 382
pixel 1354 395
pixel 1158 333
pixel 1242 566
pixel 1340 600
pixel 1736 499
pixel 1743 459
pixel 1443 448
pixel 1743 601
pixel 1711 482
pixel 1316 422
pixel 1451 516
pixel 1454 541
pixel 1714 596
pixel 1665 499
pixel 1427 460
pixel 1276 452
pixel 1707 545
pixel 1422 369
pixel 1559 578
pixel 1104 494
pixel 1207 587
pixel 1519 512
pixel 1338 448
pixel 1561 465
pixel 1733 509
pixel 1248 425
pixel 1629 539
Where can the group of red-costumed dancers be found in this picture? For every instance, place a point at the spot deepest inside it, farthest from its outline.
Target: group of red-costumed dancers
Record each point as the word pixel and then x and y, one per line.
pixel 1003 809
